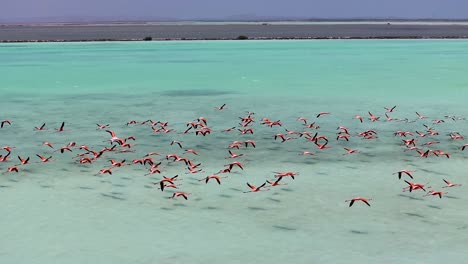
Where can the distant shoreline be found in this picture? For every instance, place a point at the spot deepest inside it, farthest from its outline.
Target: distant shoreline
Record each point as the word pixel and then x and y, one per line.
pixel 271 21
pixel 280 30
pixel 220 39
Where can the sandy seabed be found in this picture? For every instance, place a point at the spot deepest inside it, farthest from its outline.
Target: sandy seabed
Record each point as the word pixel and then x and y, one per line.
pixel 62 213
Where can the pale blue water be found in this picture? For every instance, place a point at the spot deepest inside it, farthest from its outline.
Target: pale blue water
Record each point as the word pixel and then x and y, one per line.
pixel 62 213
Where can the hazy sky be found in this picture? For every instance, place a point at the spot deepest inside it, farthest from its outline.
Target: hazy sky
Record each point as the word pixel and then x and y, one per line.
pixel 187 9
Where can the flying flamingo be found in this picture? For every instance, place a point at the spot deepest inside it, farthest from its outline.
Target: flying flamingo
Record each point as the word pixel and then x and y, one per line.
pixel 346 137
pixel 114 138
pixel 233 155
pixel 193 170
pixel 151 154
pixel 389 110
pixel 286 174
pixel 8 148
pixel 23 161
pixel 44 159
pixel 389 118
pixel 449 184
pixel 420 116
pixel 216 177
pixel 229 129
pixel 320 146
pixel 191 151
pixel 364 200
pixel 407 172
pixel 4 158
pixel 432 192
pixel 350 151
pixel 153 170
pixel 177 194
pixel 99 126
pixel 41 128
pixel 104 171
pixel 60 129
pixel 85 160
pixel 62 149
pixel 12 169
pixel 5 122
pixel 256 189
pixel 302 119
pixel 170 185
pixel 372 117
pixel 176 142
pixel 221 107
pixel 251 142
pixel 235 163
pixel 48 144
pixel 117 163
pixel 276 183
pixel 415 186
pixel 166 179
pixel 323 113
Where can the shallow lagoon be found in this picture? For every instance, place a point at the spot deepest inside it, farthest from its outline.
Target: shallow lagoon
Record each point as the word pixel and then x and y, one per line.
pixel 62 212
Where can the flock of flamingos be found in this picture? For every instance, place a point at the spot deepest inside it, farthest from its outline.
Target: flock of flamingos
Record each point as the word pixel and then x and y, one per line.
pixel 423 142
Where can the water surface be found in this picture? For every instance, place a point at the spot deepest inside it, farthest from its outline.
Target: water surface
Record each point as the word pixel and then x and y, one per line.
pixel 62 212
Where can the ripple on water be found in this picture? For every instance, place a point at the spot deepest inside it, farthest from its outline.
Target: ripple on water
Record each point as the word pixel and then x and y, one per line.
pixel 196 92
pixel 359 232
pixel 284 228
pixel 113 196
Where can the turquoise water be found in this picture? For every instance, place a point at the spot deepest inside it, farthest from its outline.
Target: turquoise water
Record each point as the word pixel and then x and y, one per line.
pixel 61 212
pixel 332 68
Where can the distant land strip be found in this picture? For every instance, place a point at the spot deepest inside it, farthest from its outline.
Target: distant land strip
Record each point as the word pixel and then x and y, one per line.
pixel 193 39
pixel 255 31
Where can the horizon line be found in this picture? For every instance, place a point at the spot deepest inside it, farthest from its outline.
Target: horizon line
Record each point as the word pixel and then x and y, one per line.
pixel 58 20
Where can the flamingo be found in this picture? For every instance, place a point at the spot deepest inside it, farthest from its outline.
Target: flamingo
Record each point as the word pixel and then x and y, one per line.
pixel 432 192
pixel 233 155
pixel 415 186
pixel 221 107
pixel 177 194
pixel 12 169
pixel 420 116
pixel 256 189
pixel 276 183
pixel 23 161
pixel 364 200
pixel 323 113
pixel 407 172
pixel 389 110
pixel 372 117
pixel 350 151
pixel 216 177
pixel 5 122
pixel 99 126
pixel 60 129
pixel 449 184
pixel 251 142
pixel 235 163
pixel 43 159
pixel 41 128
pixel 176 142
pixel 358 117
pixel 166 179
